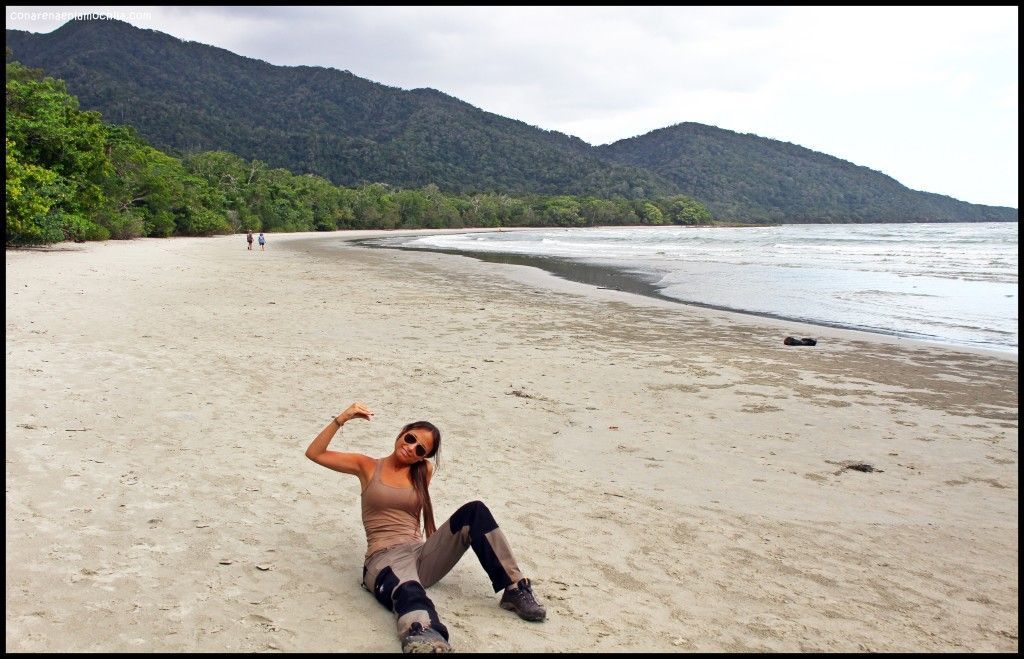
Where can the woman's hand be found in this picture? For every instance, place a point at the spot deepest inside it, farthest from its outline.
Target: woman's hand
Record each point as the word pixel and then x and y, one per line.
pixel 354 411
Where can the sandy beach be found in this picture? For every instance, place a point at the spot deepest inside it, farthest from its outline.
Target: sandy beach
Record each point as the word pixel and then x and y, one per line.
pixel 673 479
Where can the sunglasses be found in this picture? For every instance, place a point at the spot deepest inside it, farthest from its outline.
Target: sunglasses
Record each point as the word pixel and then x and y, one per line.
pixel 411 439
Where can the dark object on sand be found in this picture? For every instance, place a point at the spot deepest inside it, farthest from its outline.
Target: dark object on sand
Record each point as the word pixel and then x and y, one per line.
pixel 790 341
pixel 854 465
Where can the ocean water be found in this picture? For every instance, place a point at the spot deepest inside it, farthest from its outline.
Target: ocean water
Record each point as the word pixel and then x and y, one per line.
pixel 953 284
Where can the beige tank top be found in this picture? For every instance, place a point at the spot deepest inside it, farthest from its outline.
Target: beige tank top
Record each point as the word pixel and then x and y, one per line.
pixel 391 515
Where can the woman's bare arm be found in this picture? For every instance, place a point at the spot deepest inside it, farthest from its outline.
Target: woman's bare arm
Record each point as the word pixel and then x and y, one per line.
pixel 348 463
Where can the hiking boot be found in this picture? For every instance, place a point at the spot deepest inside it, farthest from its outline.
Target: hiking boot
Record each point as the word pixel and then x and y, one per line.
pixel 522 601
pixel 422 639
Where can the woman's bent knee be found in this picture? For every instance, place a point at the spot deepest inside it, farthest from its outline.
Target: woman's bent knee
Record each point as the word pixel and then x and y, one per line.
pixel 476 516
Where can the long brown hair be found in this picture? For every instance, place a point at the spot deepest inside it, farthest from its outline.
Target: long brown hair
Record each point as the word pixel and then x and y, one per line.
pixel 418 473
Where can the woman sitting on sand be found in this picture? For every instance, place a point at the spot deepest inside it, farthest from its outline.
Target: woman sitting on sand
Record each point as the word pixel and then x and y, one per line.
pixel 399 564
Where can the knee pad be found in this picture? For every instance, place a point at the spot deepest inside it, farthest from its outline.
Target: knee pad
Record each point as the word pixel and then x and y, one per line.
pixel 476 516
pixel 384 587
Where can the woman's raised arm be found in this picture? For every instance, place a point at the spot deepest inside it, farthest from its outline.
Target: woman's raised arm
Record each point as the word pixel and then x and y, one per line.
pixel 348 463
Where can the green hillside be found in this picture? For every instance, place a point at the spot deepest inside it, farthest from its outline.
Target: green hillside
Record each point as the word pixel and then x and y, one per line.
pixel 759 179
pixel 185 97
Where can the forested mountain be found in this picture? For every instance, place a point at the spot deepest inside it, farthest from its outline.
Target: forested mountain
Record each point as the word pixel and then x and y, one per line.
pixel 759 179
pixel 186 97
pixel 72 176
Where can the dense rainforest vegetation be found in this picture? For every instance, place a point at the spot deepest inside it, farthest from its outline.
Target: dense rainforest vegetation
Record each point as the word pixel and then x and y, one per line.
pixel 70 176
pixel 318 148
pixel 186 97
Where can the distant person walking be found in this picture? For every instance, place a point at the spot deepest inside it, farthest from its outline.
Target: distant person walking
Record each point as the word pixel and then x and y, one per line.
pixel 248 239
pixel 263 243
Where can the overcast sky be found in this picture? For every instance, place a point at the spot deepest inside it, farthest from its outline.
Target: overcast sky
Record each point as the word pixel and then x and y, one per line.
pixel 927 95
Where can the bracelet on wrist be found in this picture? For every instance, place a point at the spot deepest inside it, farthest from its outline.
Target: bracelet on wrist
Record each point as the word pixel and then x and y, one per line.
pixel 338 423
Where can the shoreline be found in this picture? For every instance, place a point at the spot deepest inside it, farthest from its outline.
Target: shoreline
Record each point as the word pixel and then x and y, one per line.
pixel 604 276
pixel 672 478
pixel 607 278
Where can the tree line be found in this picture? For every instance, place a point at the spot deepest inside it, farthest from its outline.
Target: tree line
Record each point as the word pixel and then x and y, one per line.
pixel 71 176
